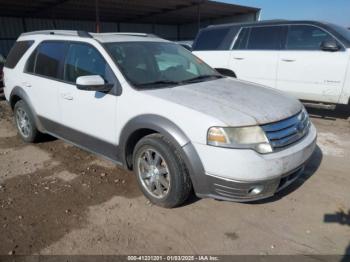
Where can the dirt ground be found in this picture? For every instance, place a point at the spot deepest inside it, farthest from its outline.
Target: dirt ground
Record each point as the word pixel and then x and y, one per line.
pixel 57 199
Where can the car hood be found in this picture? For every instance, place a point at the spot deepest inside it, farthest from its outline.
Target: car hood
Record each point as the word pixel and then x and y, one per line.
pixel 234 102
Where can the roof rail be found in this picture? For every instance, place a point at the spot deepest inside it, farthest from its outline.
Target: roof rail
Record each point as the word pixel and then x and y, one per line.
pixel 124 33
pixel 59 32
pixel 249 23
pixel 84 33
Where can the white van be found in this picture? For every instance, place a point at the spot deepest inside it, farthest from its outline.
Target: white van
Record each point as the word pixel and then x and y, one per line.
pixel 307 59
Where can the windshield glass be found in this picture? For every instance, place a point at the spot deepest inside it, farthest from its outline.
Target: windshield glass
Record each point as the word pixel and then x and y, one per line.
pixel 157 64
pixel 342 30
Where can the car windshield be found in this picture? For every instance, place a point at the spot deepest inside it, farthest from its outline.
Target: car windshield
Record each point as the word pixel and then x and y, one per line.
pixel 159 64
pixel 342 30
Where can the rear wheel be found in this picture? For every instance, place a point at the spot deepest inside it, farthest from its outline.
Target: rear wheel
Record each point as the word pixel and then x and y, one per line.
pixel 2 94
pixel 25 123
pixel 161 172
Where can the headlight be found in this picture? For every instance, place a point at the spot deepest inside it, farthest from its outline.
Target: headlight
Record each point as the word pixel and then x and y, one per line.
pixel 252 137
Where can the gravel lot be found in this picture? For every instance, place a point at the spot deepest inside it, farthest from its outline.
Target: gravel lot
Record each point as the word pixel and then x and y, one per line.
pixel 57 199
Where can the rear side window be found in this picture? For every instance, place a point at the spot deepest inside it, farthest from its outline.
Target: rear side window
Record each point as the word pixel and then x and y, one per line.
pixel 214 39
pixel 265 38
pixel 16 53
pixel 306 37
pixel 47 59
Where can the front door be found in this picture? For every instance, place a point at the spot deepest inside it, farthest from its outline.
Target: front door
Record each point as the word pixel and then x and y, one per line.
pixel 88 117
pixel 307 72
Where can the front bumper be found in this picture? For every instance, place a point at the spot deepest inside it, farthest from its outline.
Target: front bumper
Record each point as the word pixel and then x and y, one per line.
pixel 233 174
pixel 242 191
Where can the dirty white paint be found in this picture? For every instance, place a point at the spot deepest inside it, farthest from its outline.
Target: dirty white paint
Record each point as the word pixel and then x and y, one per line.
pixel 234 102
pixel 330 144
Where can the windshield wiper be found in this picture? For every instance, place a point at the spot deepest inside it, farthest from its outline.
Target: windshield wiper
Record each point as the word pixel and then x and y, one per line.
pixel 156 83
pixel 202 77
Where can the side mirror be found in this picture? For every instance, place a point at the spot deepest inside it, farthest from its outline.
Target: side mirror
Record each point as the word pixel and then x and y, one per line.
pixel 93 83
pixel 330 46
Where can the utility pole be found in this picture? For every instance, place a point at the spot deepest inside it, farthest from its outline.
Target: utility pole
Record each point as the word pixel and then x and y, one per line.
pixel 97 16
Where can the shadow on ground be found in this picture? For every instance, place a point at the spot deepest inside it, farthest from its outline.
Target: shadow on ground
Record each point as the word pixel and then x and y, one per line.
pixel 343 218
pixel 38 209
pixel 341 112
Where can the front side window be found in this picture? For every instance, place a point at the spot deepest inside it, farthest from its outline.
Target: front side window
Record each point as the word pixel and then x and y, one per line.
pixel 84 60
pixel 150 64
pixel 306 37
pixel 47 59
pixel 265 38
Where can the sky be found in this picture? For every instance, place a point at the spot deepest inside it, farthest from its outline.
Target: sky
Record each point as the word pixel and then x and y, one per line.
pixel 334 11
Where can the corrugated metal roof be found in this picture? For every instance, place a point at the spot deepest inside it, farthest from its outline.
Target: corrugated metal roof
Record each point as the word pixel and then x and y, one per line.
pixel 129 11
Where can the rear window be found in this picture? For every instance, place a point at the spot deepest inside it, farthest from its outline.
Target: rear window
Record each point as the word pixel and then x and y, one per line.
pixel 215 39
pixel 16 53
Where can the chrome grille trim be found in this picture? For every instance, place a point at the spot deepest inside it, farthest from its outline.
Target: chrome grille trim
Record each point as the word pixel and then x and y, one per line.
pixel 288 131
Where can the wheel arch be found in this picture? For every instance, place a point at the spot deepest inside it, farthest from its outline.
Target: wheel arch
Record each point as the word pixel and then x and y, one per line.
pixel 17 94
pixel 144 125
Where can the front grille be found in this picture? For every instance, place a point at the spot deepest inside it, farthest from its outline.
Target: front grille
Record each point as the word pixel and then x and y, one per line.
pixel 288 131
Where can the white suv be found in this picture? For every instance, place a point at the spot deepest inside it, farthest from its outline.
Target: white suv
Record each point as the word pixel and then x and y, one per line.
pixel 150 105
pixel 307 59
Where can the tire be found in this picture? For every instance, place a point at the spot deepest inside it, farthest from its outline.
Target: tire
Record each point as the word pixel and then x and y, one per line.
pixel 27 128
pixel 2 94
pixel 170 168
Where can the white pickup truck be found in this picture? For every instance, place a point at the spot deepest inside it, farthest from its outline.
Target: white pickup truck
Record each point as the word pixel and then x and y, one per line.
pixel 307 59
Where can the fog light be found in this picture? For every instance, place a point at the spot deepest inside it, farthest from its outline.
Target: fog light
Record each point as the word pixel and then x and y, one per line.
pixel 256 190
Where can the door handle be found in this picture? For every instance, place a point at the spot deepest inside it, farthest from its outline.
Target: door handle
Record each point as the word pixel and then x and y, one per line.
pixel 288 60
pixel 26 84
pixel 67 96
pixel 239 58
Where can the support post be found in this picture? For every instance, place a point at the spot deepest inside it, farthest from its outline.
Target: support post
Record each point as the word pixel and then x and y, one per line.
pixel 199 16
pixel 97 16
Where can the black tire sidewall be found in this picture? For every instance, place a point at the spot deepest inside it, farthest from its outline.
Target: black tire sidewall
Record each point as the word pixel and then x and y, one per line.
pixel 179 179
pixel 33 130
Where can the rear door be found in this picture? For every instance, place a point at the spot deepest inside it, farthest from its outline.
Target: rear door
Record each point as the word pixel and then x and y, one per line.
pixel 41 80
pixel 255 54
pixel 213 45
pixel 88 117
pixel 306 71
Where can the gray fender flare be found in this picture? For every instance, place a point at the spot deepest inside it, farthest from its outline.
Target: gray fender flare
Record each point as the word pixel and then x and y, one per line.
pixel 19 92
pixel 170 130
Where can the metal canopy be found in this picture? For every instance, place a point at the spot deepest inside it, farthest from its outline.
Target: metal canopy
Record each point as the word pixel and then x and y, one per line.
pixel 133 11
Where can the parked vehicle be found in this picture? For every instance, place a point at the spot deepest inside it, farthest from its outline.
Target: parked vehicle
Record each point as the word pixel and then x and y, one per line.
pixel 2 62
pixel 309 60
pixel 185 44
pixel 151 106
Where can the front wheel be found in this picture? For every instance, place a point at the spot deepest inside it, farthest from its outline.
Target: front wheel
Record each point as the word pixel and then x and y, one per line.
pixel 161 172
